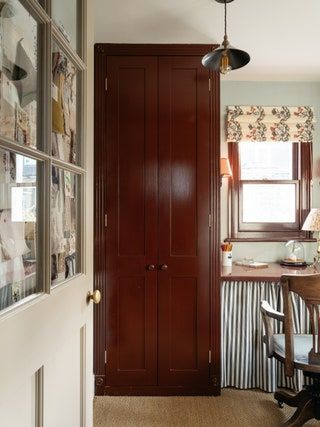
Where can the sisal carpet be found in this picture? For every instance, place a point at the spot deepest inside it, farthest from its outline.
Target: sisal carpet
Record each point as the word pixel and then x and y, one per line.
pixel 239 408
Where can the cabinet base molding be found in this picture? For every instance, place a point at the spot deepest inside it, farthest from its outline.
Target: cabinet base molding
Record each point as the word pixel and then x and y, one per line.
pixel 157 391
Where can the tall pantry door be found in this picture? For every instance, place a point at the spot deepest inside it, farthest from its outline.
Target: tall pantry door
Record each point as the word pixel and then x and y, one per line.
pixel 131 235
pixel 153 331
pixel 184 182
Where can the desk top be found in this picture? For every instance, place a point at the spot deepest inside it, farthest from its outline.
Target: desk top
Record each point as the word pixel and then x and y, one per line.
pixel 270 274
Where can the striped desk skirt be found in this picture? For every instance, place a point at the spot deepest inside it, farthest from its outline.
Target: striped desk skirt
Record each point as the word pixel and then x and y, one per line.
pixel 244 361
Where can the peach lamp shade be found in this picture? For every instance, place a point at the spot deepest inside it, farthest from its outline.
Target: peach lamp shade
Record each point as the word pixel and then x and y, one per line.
pixel 225 169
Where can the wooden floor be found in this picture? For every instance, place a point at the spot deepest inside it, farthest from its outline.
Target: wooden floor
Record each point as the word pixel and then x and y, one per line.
pixel 241 408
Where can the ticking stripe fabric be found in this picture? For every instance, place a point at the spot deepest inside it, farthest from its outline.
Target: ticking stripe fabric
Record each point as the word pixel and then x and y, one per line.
pixel 244 361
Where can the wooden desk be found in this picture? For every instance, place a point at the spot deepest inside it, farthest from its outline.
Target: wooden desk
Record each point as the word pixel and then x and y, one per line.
pixel 272 273
pixel 244 361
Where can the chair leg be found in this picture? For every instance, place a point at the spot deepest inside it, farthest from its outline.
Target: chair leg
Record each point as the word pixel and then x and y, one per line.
pixel 290 399
pixel 304 413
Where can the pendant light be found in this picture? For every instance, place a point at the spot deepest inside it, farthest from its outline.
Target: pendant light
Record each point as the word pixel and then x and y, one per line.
pixel 225 58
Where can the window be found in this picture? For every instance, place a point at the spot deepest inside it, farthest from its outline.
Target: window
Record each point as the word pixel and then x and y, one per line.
pixel 41 145
pixel 270 190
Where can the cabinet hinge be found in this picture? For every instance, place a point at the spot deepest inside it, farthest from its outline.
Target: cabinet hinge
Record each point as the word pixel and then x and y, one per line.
pixel 209 85
pixel 106 220
pixel 105 357
pixel 209 357
pixel 106 84
pixel 210 220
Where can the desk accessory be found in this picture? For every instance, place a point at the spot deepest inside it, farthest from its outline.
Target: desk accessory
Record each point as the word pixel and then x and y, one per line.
pixel 226 254
pixel 294 255
pixel 312 223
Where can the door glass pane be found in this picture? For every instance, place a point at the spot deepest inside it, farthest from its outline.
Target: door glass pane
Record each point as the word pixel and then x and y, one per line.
pixel 19 67
pixel 65 15
pixel 64 106
pixel 269 203
pixel 64 225
pixel 266 160
pixel 18 227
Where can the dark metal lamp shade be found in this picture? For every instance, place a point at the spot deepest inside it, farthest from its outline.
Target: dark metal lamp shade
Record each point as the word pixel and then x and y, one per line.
pixel 237 58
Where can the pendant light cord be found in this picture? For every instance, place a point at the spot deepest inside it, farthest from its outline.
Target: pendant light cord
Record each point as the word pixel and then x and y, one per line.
pixel 225 18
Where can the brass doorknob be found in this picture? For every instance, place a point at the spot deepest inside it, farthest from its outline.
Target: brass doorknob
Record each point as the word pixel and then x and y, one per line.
pixel 163 267
pixel 95 296
pixel 150 267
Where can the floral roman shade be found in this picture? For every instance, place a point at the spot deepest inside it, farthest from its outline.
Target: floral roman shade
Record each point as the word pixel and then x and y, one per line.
pixel 257 123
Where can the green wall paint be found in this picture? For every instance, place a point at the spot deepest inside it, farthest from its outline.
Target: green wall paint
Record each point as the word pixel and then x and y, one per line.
pixel 268 94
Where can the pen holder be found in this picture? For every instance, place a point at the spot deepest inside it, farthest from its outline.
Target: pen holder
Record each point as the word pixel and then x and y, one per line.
pixel 227 258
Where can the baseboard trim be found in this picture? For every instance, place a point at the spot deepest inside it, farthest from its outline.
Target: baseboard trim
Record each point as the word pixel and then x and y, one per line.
pixel 157 391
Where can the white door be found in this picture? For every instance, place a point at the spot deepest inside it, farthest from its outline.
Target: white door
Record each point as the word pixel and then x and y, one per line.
pixel 46 213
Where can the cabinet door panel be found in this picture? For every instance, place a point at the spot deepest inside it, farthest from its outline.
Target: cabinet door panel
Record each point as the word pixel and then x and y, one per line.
pixel 132 221
pixel 183 289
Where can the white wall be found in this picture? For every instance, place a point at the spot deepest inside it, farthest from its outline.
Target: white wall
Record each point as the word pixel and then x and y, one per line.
pixel 269 93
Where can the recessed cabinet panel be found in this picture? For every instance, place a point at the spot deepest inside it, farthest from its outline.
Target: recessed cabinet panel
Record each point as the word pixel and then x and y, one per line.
pixel 183 331
pixel 131 326
pixel 131 159
pixel 183 161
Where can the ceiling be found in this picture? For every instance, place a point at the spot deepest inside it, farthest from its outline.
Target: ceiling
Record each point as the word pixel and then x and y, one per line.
pixel 282 36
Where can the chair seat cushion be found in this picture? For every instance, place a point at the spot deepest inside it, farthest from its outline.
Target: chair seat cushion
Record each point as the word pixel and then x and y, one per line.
pixel 302 346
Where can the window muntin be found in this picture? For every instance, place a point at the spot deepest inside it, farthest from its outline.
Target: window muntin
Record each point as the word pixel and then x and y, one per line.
pixel 19 211
pixel 19 73
pixel 64 225
pixel 64 107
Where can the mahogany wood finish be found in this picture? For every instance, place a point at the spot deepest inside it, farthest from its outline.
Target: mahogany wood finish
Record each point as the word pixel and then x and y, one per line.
pixel 183 288
pixel 272 273
pixel 157 261
pixel 308 288
pixel 131 239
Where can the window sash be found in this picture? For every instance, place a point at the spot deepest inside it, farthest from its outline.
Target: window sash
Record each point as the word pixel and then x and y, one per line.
pixel 239 231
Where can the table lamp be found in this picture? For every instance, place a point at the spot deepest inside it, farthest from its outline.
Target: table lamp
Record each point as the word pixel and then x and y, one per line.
pixel 312 223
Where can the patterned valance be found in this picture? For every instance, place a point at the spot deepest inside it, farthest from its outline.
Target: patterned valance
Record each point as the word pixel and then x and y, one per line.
pixel 257 123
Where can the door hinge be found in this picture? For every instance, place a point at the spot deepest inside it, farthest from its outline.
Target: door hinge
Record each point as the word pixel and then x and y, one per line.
pixel 209 85
pixel 209 357
pixel 106 220
pixel 105 357
pixel 106 84
pixel 210 220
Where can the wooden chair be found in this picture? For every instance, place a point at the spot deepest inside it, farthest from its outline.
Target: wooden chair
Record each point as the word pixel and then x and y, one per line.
pixel 297 351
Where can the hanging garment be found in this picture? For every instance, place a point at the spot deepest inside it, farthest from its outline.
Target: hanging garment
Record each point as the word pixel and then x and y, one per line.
pixel 27 85
pixel 12 237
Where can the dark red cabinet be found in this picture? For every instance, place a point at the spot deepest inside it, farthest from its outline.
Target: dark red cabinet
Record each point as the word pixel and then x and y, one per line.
pixel 154 183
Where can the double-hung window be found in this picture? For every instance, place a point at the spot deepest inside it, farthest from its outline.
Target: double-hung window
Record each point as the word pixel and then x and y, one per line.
pixel 270 194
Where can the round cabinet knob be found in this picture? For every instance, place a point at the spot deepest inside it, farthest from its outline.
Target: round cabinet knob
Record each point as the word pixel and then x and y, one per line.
pixel 150 267
pixel 163 267
pixel 94 296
